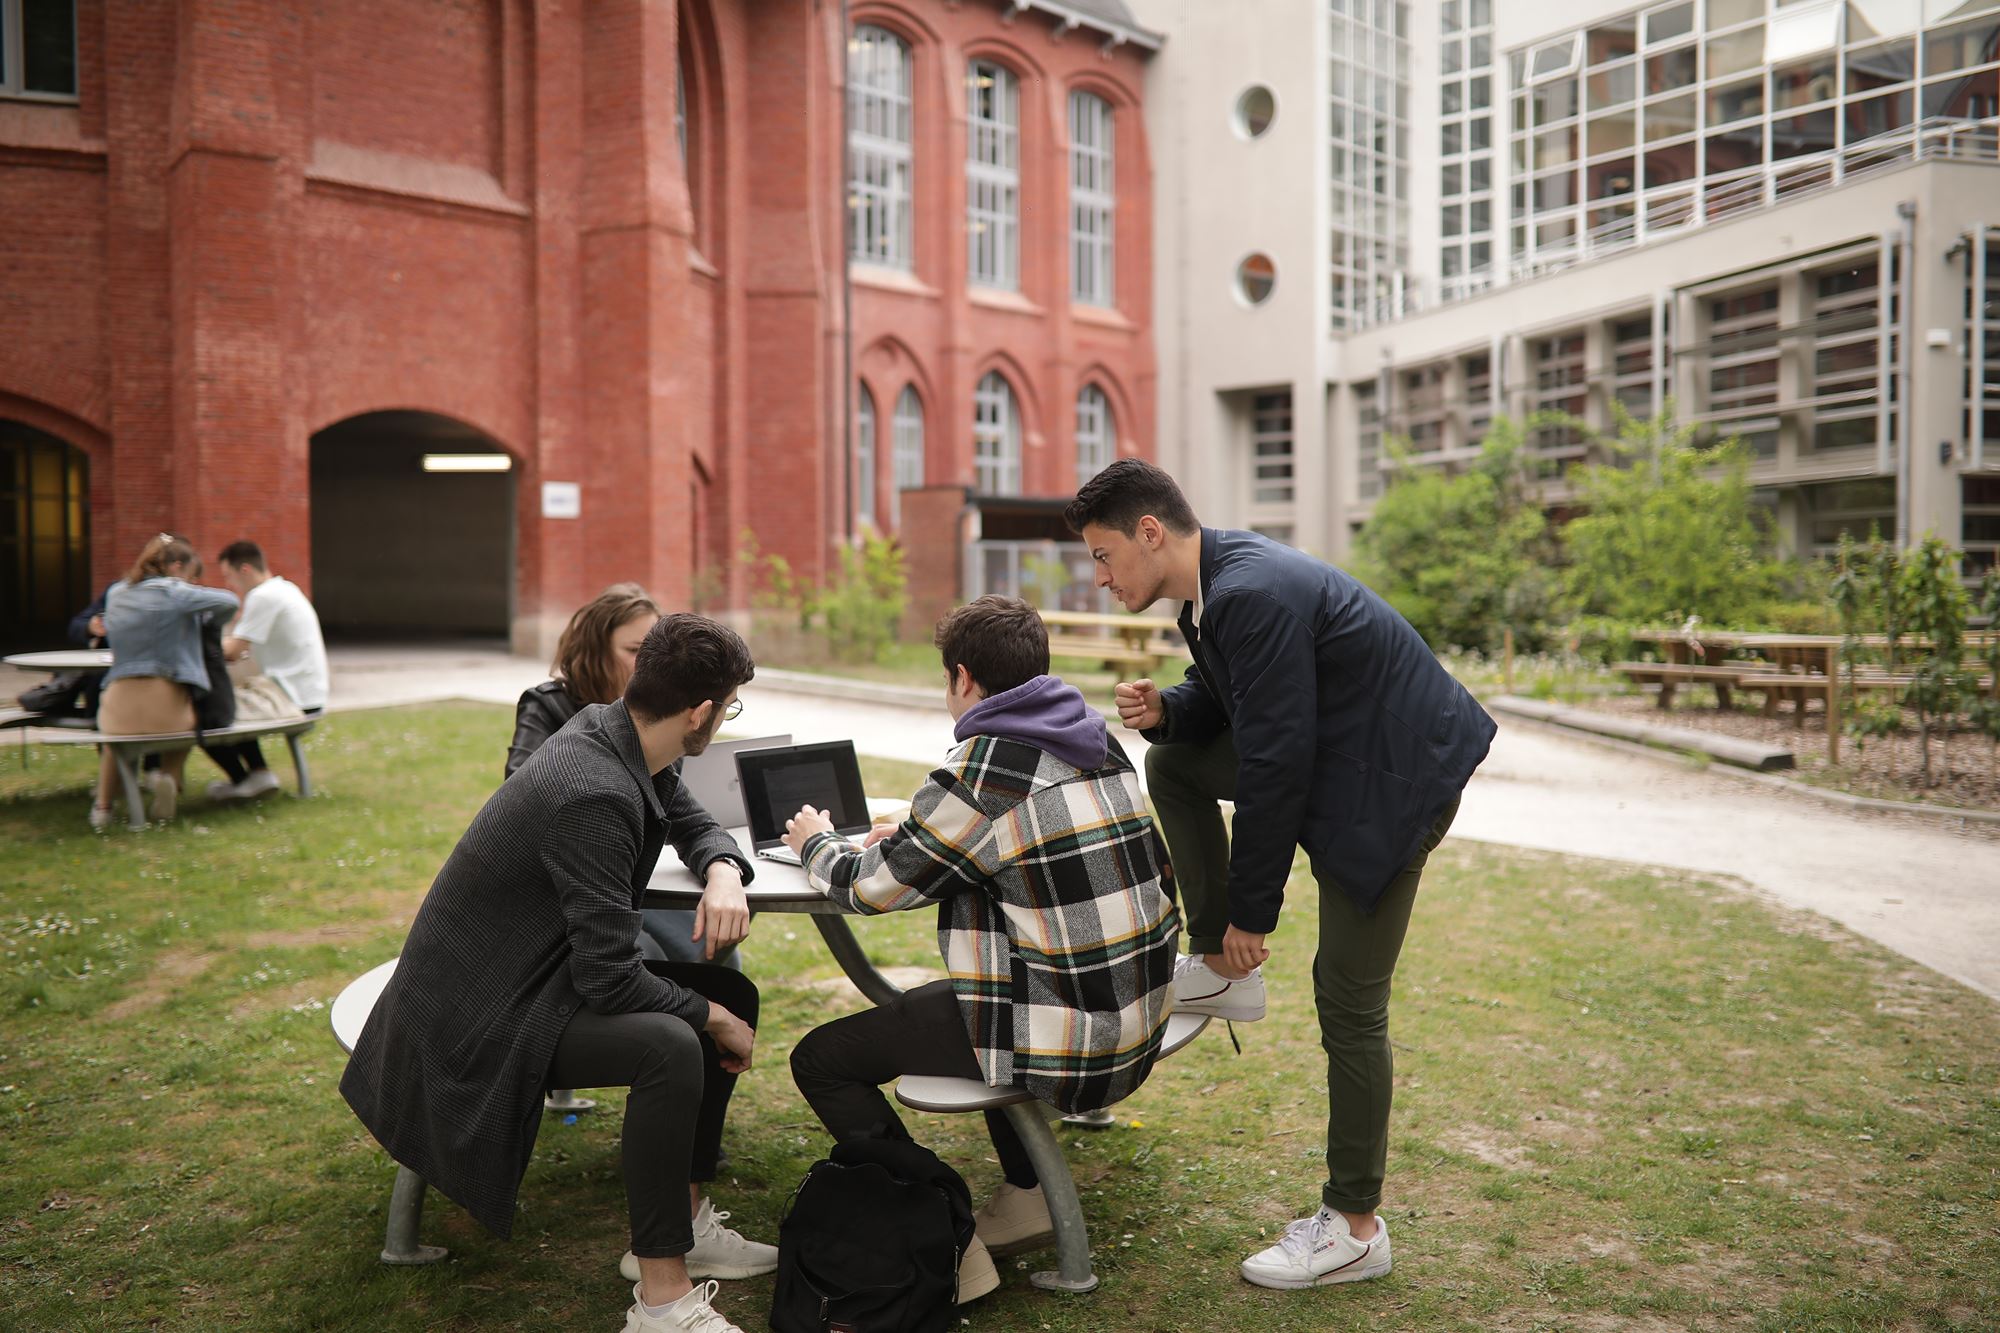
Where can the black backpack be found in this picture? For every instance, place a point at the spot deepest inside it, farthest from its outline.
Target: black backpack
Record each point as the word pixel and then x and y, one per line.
pixel 871 1242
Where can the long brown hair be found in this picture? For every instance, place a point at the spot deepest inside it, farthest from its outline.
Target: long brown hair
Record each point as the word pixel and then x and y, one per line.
pixel 583 654
pixel 161 553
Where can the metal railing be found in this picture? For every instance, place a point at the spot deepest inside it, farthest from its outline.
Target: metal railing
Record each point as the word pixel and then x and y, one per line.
pixel 1674 210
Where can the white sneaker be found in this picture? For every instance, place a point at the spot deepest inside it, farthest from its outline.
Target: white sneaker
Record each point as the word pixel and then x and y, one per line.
pixel 222 789
pixel 718 1251
pixel 100 817
pixel 166 794
pixel 976 1274
pixel 1014 1219
pixel 258 782
pixel 1200 989
pixel 692 1313
pixel 1319 1250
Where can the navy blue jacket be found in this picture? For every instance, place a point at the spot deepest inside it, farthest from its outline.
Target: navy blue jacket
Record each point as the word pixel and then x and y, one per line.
pixel 1350 738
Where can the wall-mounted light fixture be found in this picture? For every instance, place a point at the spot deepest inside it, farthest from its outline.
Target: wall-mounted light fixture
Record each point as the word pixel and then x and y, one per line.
pixel 468 463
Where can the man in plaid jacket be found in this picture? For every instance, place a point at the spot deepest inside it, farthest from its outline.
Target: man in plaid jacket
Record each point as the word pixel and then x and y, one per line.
pixel 1033 839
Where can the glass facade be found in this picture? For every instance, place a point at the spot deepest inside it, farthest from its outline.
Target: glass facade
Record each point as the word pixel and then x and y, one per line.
pixel 1369 147
pixel 1465 105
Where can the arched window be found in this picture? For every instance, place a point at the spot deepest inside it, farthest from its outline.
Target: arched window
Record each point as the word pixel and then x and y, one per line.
pixel 1092 199
pixel 909 447
pixel 993 175
pixel 878 147
pixel 996 437
pixel 1094 433
pixel 864 456
pixel 687 123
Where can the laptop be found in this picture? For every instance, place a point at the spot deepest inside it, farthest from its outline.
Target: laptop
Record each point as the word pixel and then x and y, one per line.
pixel 710 777
pixel 777 782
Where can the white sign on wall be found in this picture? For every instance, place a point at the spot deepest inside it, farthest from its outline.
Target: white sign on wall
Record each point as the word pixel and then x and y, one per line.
pixel 562 499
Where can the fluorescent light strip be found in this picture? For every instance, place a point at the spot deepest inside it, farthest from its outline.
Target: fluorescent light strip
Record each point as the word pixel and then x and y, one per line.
pixel 468 463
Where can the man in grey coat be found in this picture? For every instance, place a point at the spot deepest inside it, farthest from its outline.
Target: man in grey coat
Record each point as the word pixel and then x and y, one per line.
pixel 522 972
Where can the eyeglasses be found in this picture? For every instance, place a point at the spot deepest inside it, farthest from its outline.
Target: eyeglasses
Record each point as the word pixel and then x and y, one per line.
pixel 734 711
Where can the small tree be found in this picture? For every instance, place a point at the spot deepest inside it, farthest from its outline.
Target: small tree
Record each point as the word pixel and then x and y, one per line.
pixel 1986 706
pixel 1936 604
pixel 1667 531
pixel 864 602
pixel 1865 581
pixel 1465 558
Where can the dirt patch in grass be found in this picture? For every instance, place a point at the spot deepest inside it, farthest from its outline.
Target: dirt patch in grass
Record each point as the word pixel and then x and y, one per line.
pixel 169 971
pixel 345 931
pixel 905 978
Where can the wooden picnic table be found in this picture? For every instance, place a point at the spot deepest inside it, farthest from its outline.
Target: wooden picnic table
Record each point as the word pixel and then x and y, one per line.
pixel 1683 648
pixel 1118 641
pixel 1135 630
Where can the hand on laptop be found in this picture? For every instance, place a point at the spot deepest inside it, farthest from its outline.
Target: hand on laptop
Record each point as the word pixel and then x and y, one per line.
pixel 723 918
pixel 802 826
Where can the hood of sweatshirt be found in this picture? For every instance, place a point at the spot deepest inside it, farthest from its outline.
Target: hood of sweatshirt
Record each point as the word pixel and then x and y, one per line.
pixel 1047 714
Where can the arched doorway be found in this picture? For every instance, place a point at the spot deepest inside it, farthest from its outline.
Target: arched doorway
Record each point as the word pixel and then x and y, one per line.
pixel 44 536
pixel 412 528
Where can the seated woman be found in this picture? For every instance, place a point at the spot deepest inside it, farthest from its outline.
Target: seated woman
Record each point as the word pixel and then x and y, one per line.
pixel 1034 838
pixel 152 620
pixel 594 660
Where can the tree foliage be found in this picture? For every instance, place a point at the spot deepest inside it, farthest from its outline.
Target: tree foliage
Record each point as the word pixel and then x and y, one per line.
pixel 1667 531
pixel 1465 558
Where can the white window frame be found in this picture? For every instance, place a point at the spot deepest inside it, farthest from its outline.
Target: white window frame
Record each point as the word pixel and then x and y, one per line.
pixel 864 456
pixel 880 160
pixel 907 431
pixel 1093 199
pixel 993 176
pixel 1096 433
pixel 1273 451
pixel 13 67
pixel 996 437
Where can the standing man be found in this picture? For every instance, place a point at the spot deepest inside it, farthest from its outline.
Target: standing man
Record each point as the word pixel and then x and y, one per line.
pixel 282 626
pixel 1325 718
pixel 522 973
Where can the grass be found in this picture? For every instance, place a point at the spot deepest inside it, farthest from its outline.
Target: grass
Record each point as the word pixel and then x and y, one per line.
pixel 1624 1100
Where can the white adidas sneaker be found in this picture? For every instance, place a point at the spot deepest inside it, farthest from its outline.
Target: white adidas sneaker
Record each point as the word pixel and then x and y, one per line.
pixel 692 1313
pixel 718 1251
pixel 1200 989
pixel 1317 1251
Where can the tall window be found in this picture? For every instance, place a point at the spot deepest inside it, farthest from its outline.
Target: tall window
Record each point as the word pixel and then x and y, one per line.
pixel 909 448
pixel 1271 446
pixel 878 147
pixel 996 437
pixel 993 175
pixel 687 125
pixel 1091 199
pixel 864 456
pixel 1369 153
pixel 1094 433
pixel 38 49
pixel 1465 260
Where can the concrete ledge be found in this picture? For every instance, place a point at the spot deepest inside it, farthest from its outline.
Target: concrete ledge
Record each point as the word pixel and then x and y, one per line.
pixel 1753 755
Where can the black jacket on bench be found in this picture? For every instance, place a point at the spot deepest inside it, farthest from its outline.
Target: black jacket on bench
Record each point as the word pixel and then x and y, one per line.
pixel 1351 739
pixel 535 915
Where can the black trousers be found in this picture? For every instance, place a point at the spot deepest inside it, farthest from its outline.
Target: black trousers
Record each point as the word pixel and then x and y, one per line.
pixel 679 1099
pixel 840 1067
pixel 239 760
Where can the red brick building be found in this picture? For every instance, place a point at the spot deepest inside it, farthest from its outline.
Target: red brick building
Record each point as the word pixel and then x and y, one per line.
pixel 263 259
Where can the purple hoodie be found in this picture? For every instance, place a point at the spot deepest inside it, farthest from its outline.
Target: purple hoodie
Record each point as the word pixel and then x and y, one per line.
pixel 1045 713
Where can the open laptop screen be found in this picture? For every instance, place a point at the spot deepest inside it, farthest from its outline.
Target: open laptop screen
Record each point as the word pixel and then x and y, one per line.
pixel 776 782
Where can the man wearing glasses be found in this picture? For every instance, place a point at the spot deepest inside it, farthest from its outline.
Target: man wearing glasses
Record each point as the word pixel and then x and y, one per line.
pixel 522 972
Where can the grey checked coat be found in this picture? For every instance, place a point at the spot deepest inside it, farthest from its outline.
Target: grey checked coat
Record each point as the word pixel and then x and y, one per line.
pixel 535 914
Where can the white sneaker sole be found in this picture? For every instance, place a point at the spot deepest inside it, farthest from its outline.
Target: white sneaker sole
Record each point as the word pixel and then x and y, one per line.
pixel 1221 1006
pixel 728 1272
pixel 1355 1272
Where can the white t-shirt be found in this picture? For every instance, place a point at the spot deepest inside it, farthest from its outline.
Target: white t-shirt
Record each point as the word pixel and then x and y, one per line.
pixel 284 628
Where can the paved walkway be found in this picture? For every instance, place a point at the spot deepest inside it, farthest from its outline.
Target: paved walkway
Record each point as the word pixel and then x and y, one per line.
pixel 1927 892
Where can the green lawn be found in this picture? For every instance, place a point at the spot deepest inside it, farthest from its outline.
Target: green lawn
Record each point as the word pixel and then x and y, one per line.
pixel 1624 1100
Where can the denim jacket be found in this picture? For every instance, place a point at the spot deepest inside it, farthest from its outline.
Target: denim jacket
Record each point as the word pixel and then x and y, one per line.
pixel 154 627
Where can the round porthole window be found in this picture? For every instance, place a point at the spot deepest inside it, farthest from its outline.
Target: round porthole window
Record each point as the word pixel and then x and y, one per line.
pixel 1255 277
pixel 1256 108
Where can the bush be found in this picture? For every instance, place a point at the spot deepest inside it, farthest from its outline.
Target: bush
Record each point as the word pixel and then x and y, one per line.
pixel 853 617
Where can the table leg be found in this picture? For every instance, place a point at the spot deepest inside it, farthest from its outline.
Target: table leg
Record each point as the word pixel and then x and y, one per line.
pixel 299 765
pixel 1059 1192
pixel 128 779
pixel 406 1217
pixel 847 951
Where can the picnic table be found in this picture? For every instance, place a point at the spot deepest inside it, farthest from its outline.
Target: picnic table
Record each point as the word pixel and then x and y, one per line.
pixel 59 660
pixel 1117 640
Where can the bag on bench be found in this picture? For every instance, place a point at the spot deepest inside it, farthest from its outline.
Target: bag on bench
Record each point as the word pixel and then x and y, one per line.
pixel 261 699
pixel 871 1243
pixel 62 696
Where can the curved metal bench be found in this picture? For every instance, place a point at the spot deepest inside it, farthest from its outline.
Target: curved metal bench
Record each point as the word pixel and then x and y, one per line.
pixel 1030 1119
pixel 406 1199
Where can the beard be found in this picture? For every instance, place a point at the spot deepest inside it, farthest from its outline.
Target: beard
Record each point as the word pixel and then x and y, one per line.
pixel 696 742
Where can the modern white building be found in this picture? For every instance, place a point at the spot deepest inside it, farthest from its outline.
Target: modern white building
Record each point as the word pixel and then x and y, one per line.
pixel 1381 219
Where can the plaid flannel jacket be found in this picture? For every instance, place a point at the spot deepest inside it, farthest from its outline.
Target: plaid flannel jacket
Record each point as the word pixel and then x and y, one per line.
pixel 1053 924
